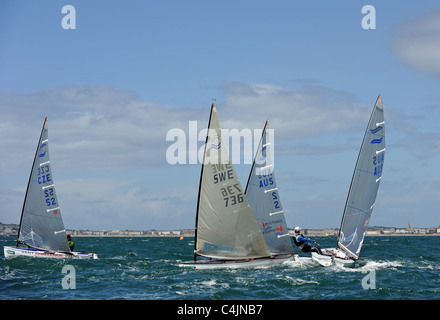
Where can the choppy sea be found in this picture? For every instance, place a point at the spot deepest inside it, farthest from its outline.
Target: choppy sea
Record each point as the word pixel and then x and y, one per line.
pixel 132 268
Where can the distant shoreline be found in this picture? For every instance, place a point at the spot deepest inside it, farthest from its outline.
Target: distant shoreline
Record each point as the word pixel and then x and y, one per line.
pixel 374 231
pixel 174 236
pixel 317 236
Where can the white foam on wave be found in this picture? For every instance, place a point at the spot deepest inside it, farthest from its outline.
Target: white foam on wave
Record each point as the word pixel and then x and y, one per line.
pixel 301 264
pixel 209 283
pixel 372 265
pixel 213 283
pixel 296 281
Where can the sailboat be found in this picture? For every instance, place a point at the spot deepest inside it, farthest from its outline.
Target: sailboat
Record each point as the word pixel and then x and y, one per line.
pixel 264 199
pixel 227 234
pixel 41 232
pixel 361 195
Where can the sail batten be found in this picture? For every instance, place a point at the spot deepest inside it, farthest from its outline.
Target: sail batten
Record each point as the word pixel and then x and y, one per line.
pixel 278 212
pixel 283 235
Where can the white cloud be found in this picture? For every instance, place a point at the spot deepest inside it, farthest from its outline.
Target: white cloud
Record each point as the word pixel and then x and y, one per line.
pixel 90 128
pixel 417 43
pixel 97 128
pixel 293 113
pixel 417 134
pixel 109 203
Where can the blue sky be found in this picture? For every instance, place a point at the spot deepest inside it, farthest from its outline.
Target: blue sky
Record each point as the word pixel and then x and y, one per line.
pixel 131 71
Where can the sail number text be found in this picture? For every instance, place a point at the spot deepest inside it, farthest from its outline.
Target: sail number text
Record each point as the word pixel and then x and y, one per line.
pixel 231 194
pixel 222 172
pixel 44 174
pixel 267 180
pixel 49 195
pixel 378 164
pixel 276 203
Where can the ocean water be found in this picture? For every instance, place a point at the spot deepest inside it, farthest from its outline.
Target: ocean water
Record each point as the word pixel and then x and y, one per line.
pixel 131 268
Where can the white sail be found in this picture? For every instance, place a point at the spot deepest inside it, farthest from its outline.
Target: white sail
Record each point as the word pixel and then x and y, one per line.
pixel 225 225
pixel 364 184
pixel 264 199
pixel 41 224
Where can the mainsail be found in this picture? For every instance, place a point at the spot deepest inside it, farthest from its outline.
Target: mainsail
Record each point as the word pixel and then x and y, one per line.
pixel 264 199
pixel 41 224
pixel 364 184
pixel 225 225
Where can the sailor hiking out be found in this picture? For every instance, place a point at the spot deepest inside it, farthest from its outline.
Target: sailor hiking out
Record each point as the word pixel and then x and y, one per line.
pixel 304 243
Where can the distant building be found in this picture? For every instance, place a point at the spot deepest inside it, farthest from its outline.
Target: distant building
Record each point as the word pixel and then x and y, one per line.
pixel 12 230
pixel 374 232
pixel 320 232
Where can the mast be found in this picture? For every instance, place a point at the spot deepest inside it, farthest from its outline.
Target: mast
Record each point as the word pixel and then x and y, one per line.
pixel 253 163
pixel 354 173
pixel 200 183
pixel 29 181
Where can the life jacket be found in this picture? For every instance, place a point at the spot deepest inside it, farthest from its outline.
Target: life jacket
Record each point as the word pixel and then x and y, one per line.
pixel 298 243
pixel 71 244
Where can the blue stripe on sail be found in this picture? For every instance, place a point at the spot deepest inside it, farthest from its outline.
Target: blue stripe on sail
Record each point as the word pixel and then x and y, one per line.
pixel 377 140
pixel 215 146
pixel 376 130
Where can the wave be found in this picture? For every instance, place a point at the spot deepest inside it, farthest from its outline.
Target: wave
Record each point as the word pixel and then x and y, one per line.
pixel 296 281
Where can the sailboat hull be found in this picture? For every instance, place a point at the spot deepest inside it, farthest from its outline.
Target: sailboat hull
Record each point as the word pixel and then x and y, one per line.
pixel 235 264
pixel 11 252
pixel 344 262
pixel 334 259
pixel 323 260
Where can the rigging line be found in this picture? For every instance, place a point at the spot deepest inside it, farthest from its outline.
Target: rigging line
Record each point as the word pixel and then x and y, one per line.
pixel 360 210
pixel 365 171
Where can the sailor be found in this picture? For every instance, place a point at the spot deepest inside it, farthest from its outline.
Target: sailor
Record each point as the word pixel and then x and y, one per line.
pixel 70 242
pixel 304 243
